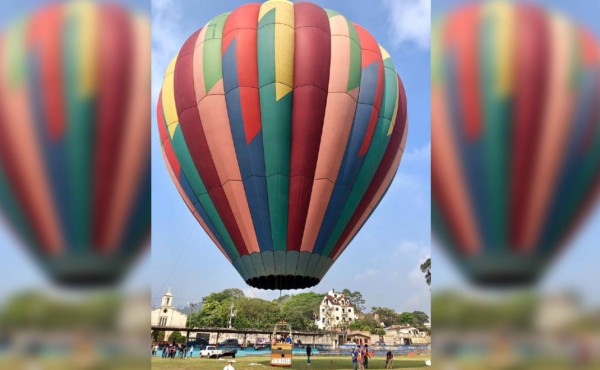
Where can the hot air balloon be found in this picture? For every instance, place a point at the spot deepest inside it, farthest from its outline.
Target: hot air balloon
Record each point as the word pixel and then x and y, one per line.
pixel 282 125
pixel 75 138
pixel 515 138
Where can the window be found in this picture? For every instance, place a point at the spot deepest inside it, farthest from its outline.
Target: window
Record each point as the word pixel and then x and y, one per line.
pixel 322 319
pixel 163 321
pixel 337 308
pixel 337 317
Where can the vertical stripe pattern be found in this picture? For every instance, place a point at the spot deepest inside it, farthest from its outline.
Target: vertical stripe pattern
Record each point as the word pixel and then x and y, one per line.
pixel 282 125
pixel 75 138
pixel 515 144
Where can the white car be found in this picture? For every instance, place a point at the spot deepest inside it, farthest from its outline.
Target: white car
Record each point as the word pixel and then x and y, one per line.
pixel 213 352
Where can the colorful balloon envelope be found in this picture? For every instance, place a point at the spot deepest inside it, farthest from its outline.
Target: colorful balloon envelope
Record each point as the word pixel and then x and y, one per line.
pixel 282 125
pixel 75 138
pixel 515 137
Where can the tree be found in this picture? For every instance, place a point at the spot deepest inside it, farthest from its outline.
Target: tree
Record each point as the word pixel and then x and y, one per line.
pixel 176 337
pixel 419 319
pixel 378 331
pixel 215 308
pixel 386 315
pixel 221 296
pixel 301 309
pixel 212 314
pixel 453 310
pixel 158 335
pixel 282 299
pixel 368 322
pixel 33 309
pixel 405 318
pixel 426 269
pixel 356 299
pixel 255 313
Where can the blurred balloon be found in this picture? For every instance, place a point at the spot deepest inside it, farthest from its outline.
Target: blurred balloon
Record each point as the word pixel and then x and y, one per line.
pixel 75 138
pixel 282 125
pixel 515 139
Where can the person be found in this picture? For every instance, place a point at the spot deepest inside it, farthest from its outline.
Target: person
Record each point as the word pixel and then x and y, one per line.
pixel 153 350
pixel 191 351
pixel 288 339
pixel 389 359
pixel 308 353
pixel 360 357
pixel 354 358
pixel 229 365
pixel 366 357
pixel 164 351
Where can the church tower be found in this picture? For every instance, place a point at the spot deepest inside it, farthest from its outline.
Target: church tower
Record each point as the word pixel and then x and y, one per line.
pixel 167 299
pixel 167 315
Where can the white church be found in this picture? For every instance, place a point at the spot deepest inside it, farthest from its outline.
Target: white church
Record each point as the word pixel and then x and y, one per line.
pixel 167 316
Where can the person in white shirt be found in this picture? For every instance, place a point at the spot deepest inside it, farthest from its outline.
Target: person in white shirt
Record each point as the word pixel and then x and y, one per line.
pixel 229 365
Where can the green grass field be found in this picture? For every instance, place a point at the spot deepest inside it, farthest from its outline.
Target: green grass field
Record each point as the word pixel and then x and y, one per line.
pixel 61 363
pixel 530 364
pixel 255 362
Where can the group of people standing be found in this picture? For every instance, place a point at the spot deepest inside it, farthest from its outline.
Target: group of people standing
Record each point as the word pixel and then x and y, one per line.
pixel 282 338
pixel 360 357
pixel 174 350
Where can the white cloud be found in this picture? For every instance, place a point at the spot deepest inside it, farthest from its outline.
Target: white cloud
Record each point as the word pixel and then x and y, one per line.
pixel 412 179
pixel 409 249
pixel 422 154
pixel 251 292
pixel 165 35
pixel 410 22
pixel 416 276
pixel 365 274
pixel 161 5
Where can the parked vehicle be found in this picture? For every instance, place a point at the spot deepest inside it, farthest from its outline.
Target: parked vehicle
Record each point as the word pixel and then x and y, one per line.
pixel 230 343
pixel 213 352
pixel 262 343
pixel 198 343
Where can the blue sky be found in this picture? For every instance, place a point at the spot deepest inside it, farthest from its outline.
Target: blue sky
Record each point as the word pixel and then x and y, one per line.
pixel 383 260
pixel 576 270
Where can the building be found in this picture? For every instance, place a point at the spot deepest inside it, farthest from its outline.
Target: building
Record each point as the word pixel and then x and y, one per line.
pixel 406 335
pixel 335 311
pixel 167 316
pixel 557 311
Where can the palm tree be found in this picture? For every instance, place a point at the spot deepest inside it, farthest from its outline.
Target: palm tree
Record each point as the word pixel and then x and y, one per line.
pixel 426 269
